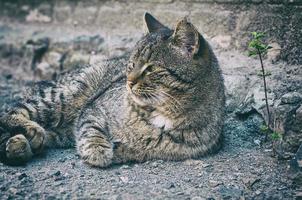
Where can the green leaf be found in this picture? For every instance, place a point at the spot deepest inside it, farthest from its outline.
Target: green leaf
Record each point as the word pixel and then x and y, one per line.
pixel 266 73
pixel 254 34
pixel 276 135
pixel 252 53
pixel 264 128
pixel 256 45
pixel 259 35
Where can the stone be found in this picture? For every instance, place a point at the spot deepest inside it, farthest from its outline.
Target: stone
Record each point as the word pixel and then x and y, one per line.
pixel 22 175
pixel 291 98
pixel 36 16
pixel 197 198
pixel 299 112
pixel 297 179
pixel 274 53
pixel 125 167
pixel 258 142
pixel 192 162
pixel 170 185
pixel 250 181
pixel 214 183
pixel 298 195
pixel 156 164
pixel 54 59
pixel 296 162
pixel 230 193
pixel 57 173
pixel 44 71
pixel 62 13
pixel 124 179
pixel 13 190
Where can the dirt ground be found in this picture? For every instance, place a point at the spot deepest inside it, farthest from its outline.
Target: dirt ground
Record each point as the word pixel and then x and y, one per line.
pixel 233 173
pixel 244 168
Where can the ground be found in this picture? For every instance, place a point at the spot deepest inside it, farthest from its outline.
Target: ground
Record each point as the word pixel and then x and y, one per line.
pixel 233 173
pixel 245 167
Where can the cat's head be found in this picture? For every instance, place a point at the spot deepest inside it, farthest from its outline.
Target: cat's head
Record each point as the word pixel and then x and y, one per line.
pixel 165 63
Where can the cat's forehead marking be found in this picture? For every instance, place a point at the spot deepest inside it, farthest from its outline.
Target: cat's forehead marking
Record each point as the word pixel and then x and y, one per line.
pixel 145 46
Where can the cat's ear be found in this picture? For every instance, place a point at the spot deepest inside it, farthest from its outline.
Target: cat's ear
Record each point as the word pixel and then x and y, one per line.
pixel 153 24
pixel 186 37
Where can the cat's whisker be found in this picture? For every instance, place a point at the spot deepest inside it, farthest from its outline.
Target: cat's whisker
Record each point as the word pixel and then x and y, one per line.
pixel 175 103
pixel 170 96
pixel 157 99
pixel 161 99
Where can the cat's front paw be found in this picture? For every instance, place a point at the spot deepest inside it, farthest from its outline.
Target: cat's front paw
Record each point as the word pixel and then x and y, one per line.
pixel 96 153
pixel 18 150
pixel 36 136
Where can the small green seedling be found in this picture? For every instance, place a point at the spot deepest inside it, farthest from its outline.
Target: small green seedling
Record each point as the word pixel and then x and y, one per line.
pixel 267 73
pixel 256 45
pixel 258 48
pixel 276 135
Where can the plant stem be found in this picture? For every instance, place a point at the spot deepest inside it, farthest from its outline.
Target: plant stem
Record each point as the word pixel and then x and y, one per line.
pixel 265 88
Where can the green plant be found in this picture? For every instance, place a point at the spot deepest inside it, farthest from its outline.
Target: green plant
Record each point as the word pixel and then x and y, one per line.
pixel 258 48
pixel 276 135
pixel 264 129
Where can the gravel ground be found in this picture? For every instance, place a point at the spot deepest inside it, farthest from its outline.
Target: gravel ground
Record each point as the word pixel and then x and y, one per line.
pixel 233 173
pixel 242 169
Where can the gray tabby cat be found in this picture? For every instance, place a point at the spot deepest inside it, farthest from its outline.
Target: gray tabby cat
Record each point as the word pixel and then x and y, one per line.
pixel 164 102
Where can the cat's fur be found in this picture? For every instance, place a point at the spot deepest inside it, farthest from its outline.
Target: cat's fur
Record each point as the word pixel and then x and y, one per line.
pixel 164 102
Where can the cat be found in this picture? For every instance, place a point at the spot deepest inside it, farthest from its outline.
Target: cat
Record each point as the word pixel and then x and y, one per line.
pixel 165 101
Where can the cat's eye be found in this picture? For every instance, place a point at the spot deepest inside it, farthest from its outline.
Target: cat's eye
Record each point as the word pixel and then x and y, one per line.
pixel 149 68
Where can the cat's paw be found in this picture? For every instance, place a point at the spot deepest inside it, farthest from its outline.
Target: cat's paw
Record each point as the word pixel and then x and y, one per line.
pixel 96 154
pixel 36 136
pixel 18 150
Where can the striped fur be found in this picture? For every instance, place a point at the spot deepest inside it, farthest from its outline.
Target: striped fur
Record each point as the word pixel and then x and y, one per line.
pixel 164 102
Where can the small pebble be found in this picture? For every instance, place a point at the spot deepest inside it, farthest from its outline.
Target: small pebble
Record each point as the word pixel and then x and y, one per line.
pixel 171 185
pixel 21 176
pixel 57 173
pixel 62 160
pixel 124 179
pixel 125 167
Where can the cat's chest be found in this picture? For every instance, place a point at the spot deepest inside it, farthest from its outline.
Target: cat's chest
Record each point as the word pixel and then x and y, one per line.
pixel 161 121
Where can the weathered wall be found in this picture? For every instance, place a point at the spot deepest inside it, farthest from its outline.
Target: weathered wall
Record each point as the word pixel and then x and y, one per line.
pixel 228 21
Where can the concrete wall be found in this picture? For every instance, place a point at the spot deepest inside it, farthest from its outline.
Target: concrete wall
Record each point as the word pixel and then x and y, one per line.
pixel 227 21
